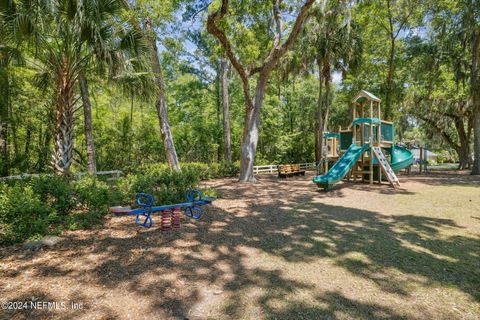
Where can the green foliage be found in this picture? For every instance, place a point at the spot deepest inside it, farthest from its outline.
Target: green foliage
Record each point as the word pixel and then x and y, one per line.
pixel 47 204
pixel 56 192
pixel 22 213
pixel 84 220
pixel 92 193
pixel 212 170
pixel 445 156
pixel 169 186
pixel 431 72
pixel 165 185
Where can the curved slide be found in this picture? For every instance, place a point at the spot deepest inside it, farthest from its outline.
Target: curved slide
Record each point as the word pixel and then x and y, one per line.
pixel 341 167
pixel 401 158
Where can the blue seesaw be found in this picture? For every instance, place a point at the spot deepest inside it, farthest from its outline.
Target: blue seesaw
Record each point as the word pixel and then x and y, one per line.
pixel 192 207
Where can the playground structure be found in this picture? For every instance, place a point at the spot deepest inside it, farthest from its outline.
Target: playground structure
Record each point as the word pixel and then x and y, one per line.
pixel 367 147
pixel 330 150
pixel 170 214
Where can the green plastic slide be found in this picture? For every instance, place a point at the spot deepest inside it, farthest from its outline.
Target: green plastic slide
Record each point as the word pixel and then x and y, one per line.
pixel 341 167
pixel 401 158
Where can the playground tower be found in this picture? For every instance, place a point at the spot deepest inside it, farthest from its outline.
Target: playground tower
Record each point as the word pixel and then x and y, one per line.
pixel 367 147
pixel 366 126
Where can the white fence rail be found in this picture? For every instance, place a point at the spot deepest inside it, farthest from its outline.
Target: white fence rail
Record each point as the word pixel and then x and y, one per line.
pixel 272 168
pixel 115 174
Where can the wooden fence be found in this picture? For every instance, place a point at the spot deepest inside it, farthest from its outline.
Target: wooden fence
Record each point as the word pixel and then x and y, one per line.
pixel 115 174
pixel 272 168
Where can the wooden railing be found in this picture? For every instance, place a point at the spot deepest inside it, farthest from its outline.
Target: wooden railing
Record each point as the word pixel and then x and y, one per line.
pixel 272 168
pixel 115 174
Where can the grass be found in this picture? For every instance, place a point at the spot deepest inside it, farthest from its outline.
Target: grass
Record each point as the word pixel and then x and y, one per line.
pixel 274 250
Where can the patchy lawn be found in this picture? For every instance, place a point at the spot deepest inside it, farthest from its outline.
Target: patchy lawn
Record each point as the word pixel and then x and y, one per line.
pixel 278 249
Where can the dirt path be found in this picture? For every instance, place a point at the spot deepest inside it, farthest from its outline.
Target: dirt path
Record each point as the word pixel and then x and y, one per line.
pixel 277 249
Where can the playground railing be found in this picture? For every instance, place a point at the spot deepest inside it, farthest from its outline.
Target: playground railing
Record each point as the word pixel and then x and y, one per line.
pixel 115 174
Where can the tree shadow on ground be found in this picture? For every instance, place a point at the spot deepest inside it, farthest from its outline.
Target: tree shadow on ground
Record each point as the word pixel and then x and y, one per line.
pixel 175 272
pixel 334 305
pixel 447 179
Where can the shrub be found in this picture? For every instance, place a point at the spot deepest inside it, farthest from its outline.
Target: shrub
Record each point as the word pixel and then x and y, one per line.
pixel 202 170
pixel 38 206
pixel 56 191
pixel 92 193
pixel 84 220
pixel 229 169
pixel 22 213
pixel 444 156
pixel 165 185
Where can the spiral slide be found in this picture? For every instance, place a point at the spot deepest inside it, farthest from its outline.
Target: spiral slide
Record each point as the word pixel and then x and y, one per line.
pixel 401 158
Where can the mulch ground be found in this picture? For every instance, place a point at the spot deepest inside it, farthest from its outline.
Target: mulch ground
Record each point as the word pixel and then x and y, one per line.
pixel 278 249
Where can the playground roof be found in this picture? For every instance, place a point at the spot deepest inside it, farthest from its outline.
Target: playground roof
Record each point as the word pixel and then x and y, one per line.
pixel 366 120
pixel 364 95
pixel 331 135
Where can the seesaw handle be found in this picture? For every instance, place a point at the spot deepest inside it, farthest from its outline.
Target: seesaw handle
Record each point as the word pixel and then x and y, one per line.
pixel 145 200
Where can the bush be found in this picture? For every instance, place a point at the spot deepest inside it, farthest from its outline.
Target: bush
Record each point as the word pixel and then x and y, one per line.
pixel 229 169
pixel 84 220
pixel 92 193
pixel 165 185
pixel 203 170
pixel 22 213
pixel 213 170
pixel 37 206
pixel 55 191
pixel 444 156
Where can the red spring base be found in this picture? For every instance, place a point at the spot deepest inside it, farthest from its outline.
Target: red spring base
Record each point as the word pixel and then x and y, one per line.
pixel 176 215
pixel 166 220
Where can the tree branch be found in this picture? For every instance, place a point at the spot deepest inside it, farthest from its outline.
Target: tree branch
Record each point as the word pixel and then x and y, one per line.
pixel 278 22
pixel 212 28
pixel 437 128
pixel 278 51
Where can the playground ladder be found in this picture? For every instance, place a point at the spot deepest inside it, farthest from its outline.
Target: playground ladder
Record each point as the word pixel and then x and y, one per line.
pixel 392 178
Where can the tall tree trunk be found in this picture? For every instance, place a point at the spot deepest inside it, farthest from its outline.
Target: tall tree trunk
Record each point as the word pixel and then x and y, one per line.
pixel 326 117
pixel 227 144
pixel 87 118
pixel 389 82
pixel 463 156
pixel 464 148
pixel 253 108
pixel 44 145
pixel 28 140
pixel 250 133
pixel 319 113
pixel 475 97
pixel 64 124
pixel 161 103
pixel 4 101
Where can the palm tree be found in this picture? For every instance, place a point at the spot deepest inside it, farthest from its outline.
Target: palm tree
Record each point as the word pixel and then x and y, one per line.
pixel 68 36
pixel 333 43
